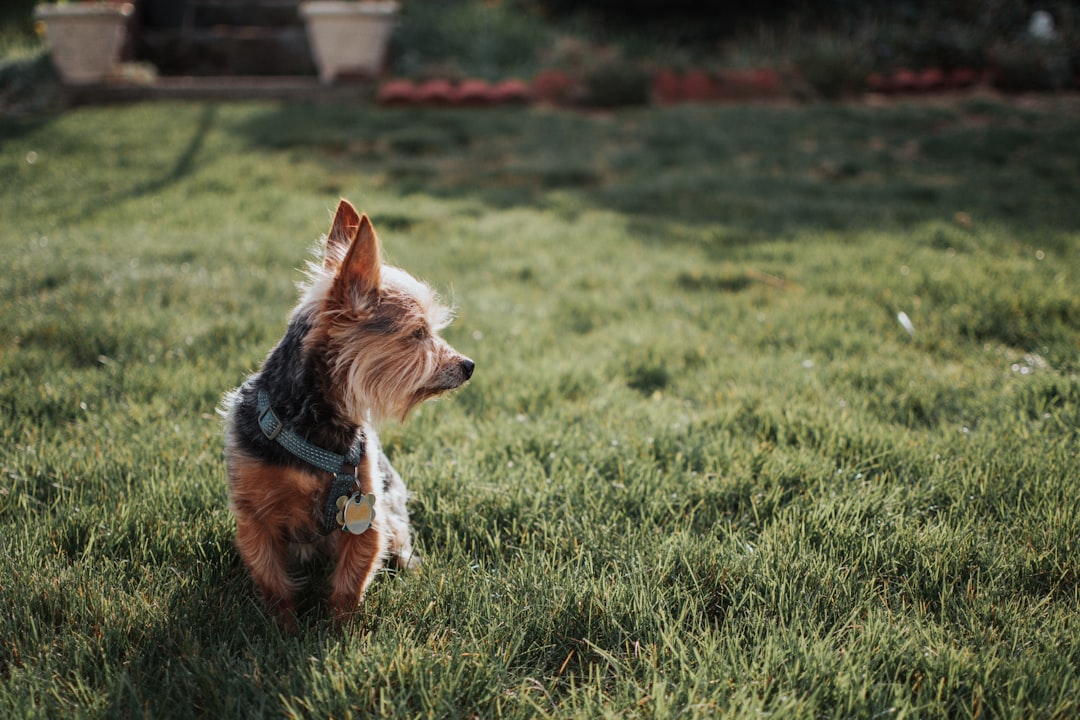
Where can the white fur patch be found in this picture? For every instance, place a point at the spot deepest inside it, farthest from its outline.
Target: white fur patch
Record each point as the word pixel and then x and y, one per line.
pixel 320 279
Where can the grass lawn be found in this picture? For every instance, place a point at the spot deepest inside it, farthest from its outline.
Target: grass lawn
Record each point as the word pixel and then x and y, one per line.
pixel 702 467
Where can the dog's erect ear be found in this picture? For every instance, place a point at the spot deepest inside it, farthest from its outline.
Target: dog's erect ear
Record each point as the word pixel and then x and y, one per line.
pixel 358 277
pixel 342 232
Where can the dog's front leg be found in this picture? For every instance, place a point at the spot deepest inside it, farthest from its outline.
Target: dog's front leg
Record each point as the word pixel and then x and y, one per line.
pixel 358 559
pixel 265 554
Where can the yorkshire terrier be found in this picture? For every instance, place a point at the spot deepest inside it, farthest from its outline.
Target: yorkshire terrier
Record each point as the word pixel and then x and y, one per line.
pixel 305 468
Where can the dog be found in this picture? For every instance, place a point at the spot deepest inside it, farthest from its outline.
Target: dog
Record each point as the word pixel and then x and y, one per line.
pixel 305 469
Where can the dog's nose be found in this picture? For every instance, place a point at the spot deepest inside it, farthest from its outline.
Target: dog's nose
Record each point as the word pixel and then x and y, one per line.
pixel 467 367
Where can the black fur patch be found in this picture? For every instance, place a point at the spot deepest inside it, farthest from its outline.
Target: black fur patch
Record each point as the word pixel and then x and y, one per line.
pixel 295 384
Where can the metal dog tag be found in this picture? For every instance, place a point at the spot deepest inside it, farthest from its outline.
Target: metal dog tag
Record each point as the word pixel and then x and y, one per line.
pixel 356 512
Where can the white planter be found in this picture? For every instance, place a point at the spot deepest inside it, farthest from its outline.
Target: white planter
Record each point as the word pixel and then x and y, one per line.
pixel 85 39
pixel 349 38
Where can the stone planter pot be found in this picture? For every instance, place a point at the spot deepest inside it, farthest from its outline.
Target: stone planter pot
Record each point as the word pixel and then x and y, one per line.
pixel 349 39
pixel 85 39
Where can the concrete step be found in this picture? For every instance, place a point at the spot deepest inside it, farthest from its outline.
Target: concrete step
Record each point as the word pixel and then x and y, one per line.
pixel 280 88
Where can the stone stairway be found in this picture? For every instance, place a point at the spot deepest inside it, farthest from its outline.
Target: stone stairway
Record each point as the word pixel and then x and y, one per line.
pixel 216 38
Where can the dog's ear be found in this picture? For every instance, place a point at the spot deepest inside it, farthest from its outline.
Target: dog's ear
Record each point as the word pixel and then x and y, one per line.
pixel 357 279
pixel 342 232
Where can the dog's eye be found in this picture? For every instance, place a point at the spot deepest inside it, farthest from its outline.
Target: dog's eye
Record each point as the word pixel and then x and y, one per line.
pixel 420 334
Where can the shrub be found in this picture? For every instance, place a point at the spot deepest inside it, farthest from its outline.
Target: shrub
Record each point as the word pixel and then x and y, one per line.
pixel 833 67
pixel 616 83
pixel 488 40
pixel 27 82
pixel 1031 65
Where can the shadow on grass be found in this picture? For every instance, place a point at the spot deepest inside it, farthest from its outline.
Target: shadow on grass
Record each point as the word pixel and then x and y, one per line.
pixel 183 166
pixel 755 172
pixel 213 627
pixel 12 128
pixel 80 207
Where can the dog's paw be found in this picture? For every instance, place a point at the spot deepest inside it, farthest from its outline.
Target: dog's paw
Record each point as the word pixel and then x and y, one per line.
pixel 284 614
pixel 343 608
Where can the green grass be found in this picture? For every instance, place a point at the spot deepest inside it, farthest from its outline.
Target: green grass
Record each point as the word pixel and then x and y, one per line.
pixel 701 469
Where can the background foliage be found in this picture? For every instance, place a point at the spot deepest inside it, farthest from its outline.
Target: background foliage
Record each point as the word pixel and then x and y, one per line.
pixel 825 48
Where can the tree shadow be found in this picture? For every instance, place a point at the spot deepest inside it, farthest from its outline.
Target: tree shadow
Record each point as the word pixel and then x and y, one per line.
pixel 83 207
pixel 185 160
pixel 216 629
pixel 12 128
pixel 751 172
